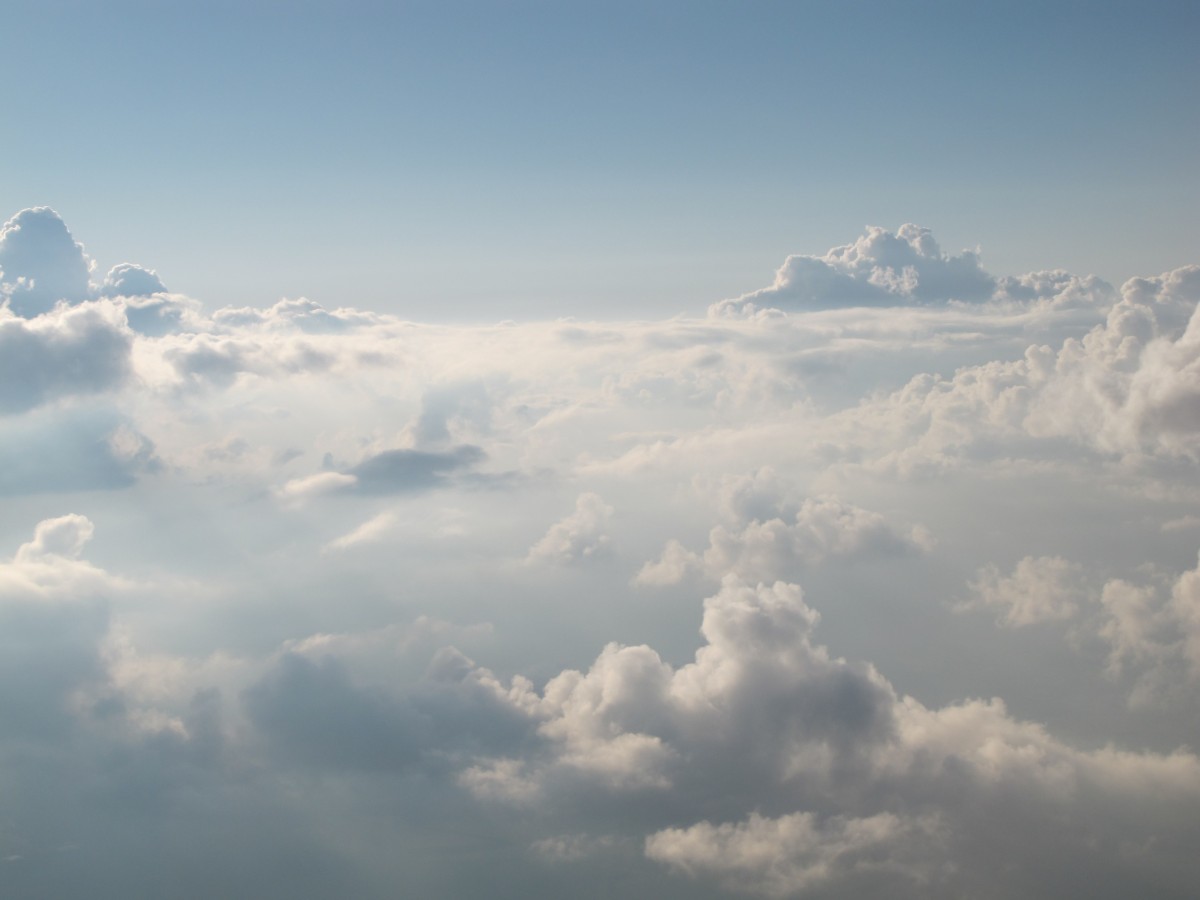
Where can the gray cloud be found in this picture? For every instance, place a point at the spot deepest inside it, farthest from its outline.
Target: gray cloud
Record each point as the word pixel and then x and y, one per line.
pixel 398 471
pixel 83 350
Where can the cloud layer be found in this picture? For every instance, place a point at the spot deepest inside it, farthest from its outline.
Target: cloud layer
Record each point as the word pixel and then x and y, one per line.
pixel 365 607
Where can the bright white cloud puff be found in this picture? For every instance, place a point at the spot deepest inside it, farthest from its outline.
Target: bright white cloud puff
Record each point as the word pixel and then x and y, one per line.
pixel 881 268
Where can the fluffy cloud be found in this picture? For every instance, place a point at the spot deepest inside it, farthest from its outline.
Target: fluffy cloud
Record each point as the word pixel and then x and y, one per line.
pixel 771 533
pixel 881 268
pixel 1129 386
pixel 131 280
pixel 40 263
pixel 879 785
pixel 1040 589
pixel 577 537
pixel 80 350
pixel 795 854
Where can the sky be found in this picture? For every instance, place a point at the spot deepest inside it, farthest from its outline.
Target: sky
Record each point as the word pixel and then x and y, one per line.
pixel 536 450
pixel 563 158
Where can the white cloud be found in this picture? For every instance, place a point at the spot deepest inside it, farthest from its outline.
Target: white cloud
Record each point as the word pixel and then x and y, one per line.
pixel 315 485
pixel 777 536
pixel 880 268
pixel 579 536
pixel 374 529
pixel 794 854
pixel 1040 589
pixel 63 537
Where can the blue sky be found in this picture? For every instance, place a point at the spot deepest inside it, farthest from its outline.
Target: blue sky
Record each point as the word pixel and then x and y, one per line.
pixel 553 158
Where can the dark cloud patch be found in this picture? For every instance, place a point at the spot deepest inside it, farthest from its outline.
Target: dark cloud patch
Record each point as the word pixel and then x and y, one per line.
pixel 400 471
pixel 312 713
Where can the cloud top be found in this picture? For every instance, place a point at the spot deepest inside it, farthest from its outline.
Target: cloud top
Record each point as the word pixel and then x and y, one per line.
pixel 881 268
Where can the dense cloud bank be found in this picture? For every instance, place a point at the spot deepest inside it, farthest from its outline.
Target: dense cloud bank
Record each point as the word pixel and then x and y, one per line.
pixel 360 606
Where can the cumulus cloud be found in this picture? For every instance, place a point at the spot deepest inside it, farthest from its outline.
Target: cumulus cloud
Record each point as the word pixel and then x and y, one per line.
pixel 878 785
pixel 64 536
pixel 795 854
pixel 81 350
pixel 772 534
pixel 881 268
pixel 40 263
pixel 1127 387
pixel 1041 589
pixel 131 280
pixel 577 537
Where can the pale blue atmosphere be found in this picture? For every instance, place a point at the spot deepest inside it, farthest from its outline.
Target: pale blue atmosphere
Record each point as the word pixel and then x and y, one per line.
pixel 563 158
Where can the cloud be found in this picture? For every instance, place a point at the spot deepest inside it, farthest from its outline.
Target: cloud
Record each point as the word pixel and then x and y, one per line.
pixel 77 351
pixel 399 471
pixel 315 485
pixel 302 314
pixel 56 451
pixel 1127 387
pixel 570 848
pixel 313 714
pixel 772 534
pixel 40 263
pixel 62 537
pixel 846 785
pixel 131 280
pixel 1040 589
pixel 795 854
pixel 277 679
pixel 149 309
pixel 369 531
pixel 577 537
pixel 881 268
pixel 758 691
